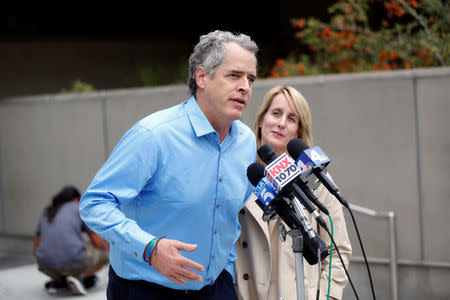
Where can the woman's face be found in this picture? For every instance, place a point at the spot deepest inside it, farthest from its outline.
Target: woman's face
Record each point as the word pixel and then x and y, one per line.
pixel 280 124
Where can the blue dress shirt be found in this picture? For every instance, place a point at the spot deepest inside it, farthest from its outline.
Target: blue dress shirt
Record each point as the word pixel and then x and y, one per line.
pixel 170 176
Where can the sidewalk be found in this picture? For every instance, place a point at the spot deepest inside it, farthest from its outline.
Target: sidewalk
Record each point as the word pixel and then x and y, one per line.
pixel 26 282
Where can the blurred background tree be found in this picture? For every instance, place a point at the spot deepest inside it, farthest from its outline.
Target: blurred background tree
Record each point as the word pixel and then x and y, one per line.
pixel 364 35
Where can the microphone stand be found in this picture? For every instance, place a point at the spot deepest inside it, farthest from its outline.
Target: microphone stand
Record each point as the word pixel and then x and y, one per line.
pixel 296 220
pixel 297 248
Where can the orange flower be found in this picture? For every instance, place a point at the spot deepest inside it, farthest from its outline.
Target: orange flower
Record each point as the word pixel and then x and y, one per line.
pixel 412 3
pixel 399 12
pixel 431 19
pixel 393 56
pixel 274 73
pixel 335 49
pixel 279 62
pixel 326 32
pixel 300 68
pixel 301 23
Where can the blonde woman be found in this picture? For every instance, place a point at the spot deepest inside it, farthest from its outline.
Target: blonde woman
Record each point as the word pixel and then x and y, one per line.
pixel 265 268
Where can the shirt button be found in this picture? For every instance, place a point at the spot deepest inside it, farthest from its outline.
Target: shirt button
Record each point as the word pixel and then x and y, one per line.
pixel 134 254
pixel 113 243
pixel 218 205
pixel 213 257
pixel 215 231
pixel 209 279
pixel 242 211
pixel 220 179
pixel 244 244
pixel 245 276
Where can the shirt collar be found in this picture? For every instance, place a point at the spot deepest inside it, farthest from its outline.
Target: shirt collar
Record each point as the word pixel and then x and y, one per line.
pixel 200 123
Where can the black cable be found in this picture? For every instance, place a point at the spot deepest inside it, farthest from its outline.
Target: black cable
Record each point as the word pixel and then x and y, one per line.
pixel 333 190
pixel 342 200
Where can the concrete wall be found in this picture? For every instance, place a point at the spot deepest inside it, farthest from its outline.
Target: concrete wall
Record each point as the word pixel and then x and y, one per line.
pixel 387 134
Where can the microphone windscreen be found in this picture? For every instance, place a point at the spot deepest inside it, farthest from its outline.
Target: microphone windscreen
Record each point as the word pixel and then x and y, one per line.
pixel 255 172
pixel 266 154
pixel 295 147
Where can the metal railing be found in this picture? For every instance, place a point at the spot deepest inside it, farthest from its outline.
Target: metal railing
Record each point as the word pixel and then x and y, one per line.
pixel 393 260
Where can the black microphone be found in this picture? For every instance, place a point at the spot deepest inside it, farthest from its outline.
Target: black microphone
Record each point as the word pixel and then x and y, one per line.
pixel 312 241
pixel 295 147
pixel 268 155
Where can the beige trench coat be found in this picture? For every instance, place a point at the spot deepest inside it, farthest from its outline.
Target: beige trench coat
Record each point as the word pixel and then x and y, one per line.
pixel 265 267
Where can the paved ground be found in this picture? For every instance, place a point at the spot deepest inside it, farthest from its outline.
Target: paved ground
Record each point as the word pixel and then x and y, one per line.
pixel 20 279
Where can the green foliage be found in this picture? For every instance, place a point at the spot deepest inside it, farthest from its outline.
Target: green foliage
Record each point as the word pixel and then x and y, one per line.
pixel 79 86
pixel 406 34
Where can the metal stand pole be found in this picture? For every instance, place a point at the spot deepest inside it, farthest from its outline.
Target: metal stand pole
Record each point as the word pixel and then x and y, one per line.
pixel 297 247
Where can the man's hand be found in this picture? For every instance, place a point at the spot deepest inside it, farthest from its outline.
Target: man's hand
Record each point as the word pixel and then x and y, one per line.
pixel 167 260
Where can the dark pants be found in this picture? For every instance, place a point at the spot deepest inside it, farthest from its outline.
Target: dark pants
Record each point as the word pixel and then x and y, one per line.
pixel 124 289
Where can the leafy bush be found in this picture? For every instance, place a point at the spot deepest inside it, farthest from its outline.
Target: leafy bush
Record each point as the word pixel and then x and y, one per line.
pixel 402 35
pixel 79 86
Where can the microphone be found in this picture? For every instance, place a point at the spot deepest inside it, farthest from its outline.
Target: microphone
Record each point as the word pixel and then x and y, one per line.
pixel 281 172
pixel 313 161
pixel 305 181
pixel 270 203
pixel 263 190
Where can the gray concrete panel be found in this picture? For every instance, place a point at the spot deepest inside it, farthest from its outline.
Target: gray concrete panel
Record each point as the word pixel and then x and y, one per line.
pixel 367 129
pixel 125 107
pixel 423 283
pixel 360 279
pixel 45 146
pixel 414 283
pixel 434 131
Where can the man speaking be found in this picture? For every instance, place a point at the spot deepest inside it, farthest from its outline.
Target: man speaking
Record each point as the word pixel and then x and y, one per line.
pixel 167 199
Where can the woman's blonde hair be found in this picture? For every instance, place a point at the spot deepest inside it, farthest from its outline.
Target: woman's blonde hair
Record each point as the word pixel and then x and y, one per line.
pixel 302 107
